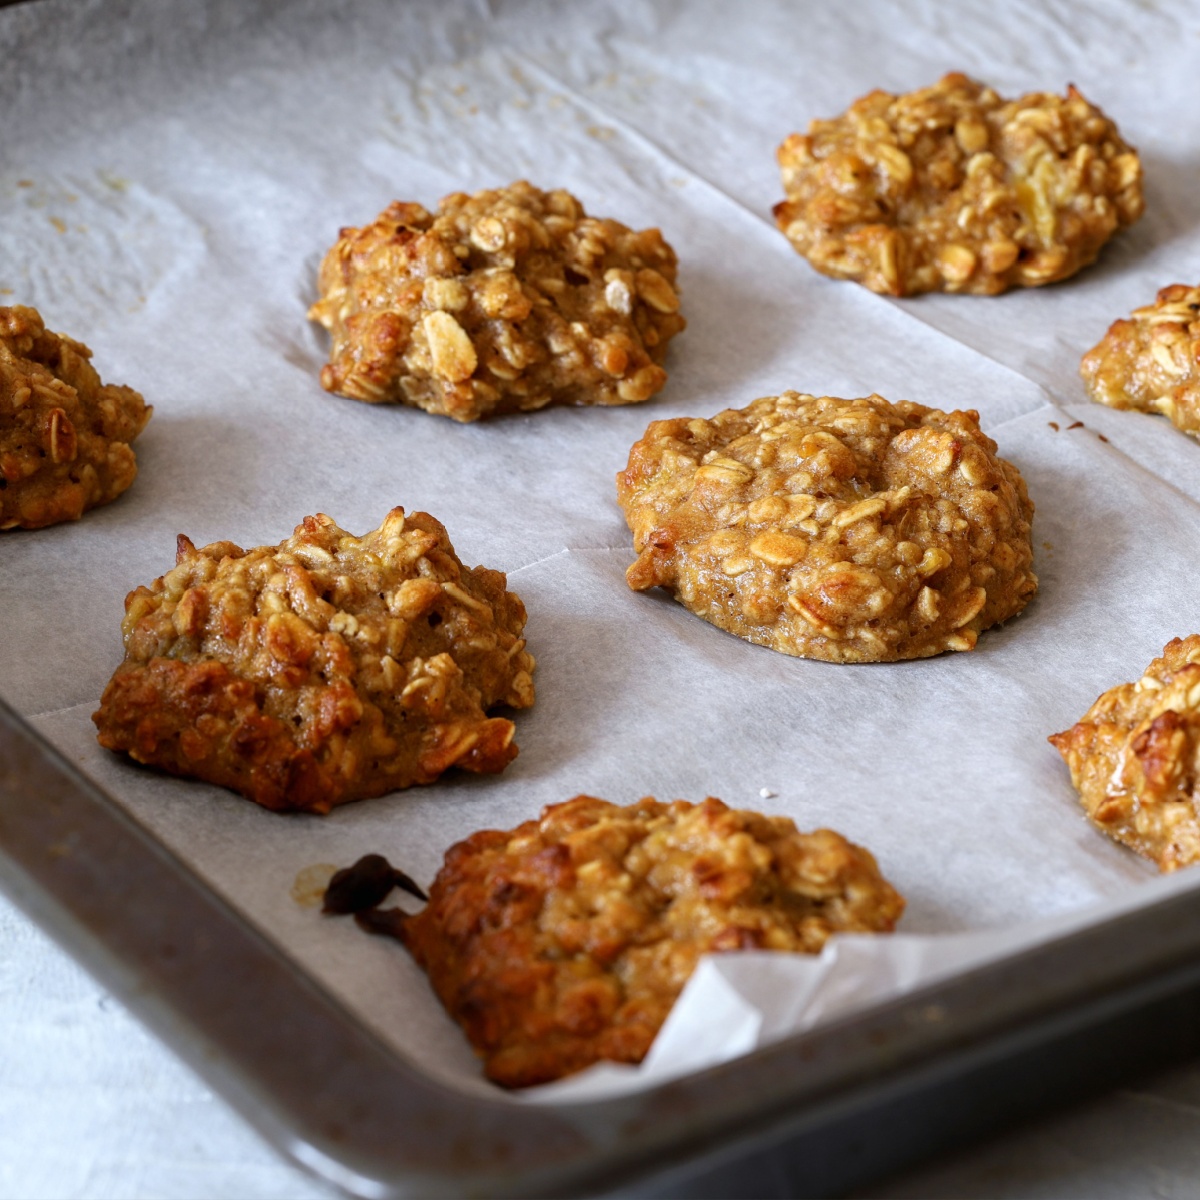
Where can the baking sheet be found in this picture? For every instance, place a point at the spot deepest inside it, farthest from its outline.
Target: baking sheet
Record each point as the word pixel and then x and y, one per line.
pixel 166 197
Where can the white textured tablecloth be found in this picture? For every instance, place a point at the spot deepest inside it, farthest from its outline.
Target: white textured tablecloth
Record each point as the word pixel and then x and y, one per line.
pixel 92 1106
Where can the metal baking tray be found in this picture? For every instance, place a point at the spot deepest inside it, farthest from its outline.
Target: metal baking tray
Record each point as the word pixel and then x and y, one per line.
pixel 814 1114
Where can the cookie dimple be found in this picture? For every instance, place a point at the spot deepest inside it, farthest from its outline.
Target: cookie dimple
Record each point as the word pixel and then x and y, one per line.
pixel 846 530
pixel 951 188
pixel 1134 757
pixel 65 437
pixel 507 300
pixel 566 940
pixel 323 670
pixel 1151 361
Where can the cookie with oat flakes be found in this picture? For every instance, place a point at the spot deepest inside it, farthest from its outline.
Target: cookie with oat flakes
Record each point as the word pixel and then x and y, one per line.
pixel 64 435
pixel 1133 757
pixel 1151 362
pixel 845 530
pixel 566 941
pixel 323 670
pixel 504 301
pixel 952 188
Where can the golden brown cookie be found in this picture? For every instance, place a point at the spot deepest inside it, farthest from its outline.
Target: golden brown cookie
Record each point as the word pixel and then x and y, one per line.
pixel 64 435
pixel 566 940
pixel 847 530
pixel 504 301
pixel 953 189
pixel 1152 361
pixel 1134 756
pixel 322 670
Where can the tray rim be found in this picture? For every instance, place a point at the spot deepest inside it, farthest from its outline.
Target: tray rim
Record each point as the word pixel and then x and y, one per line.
pixel 373 1124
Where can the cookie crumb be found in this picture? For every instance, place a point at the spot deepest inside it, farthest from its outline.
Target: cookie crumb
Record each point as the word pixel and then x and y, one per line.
pixel 366 884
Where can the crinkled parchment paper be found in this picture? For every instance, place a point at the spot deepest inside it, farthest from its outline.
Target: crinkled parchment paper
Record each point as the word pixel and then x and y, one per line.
pixel 169 179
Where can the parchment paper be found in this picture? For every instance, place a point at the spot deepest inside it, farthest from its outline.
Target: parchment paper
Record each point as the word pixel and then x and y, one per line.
pixel 169 179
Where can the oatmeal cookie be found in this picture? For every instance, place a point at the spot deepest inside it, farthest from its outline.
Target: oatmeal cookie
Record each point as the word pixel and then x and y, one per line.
pixel 322 670
pixel 847 530
pixel 504 301
pixel 1152 362
pixel 567 940
pixel 1134 758
pixel 64 435
pixel 953 189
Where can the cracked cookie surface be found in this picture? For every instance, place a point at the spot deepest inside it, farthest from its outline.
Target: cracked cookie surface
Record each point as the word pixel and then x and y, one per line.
pixel 1151 361
pixel 323 670
pixel 64 435
pixel 502 301
pixel 1134 757
pixel 952 188
pixel 566 940
pixel 845 530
